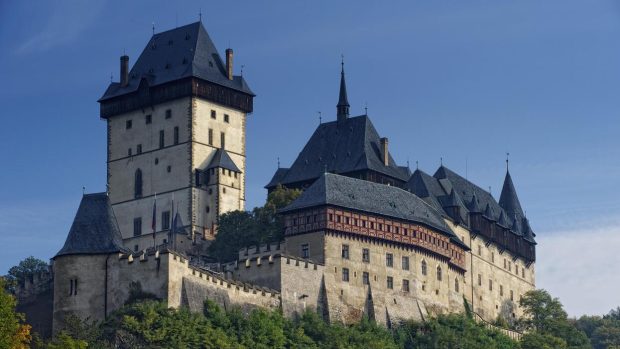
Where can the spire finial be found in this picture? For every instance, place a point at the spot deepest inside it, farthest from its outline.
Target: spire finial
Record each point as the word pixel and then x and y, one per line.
pixel 507 159
pixel 417 165
pixel 342 62
pixel 111 77
pixel 366 108
pixel 441 161
pixel 342 107
pixel 153 27
pixel 200 15
pixel 320 117
pixel 83 190
pixel 278 162
pixel 242 66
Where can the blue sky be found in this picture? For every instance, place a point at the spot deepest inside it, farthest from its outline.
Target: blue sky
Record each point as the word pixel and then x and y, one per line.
pixel 467 82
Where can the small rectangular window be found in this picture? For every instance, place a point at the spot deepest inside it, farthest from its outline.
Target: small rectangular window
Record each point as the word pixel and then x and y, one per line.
pixel 176 135
pixel 389 260
pixel 149 119
pixel 305 251
pixel 390 282
pixel 345 274
pixel 226 118
pixel 405 263
pixel 161 139
pixel 490 285
pixel 210 136
pixel 365 278
pixel 137 226
pixel 223 140
pixel 135 248
pixel 129 152
pixel 165 220
pixel 139 149
pixel 168 114
pixel 128 124
pixel 405 285
pixel 501 290
pixel 365 255
pixel 479 280
pixel 345 251
pixel 213 115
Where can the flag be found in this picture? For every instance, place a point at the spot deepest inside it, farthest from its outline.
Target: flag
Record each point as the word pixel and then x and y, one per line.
pixel 154 223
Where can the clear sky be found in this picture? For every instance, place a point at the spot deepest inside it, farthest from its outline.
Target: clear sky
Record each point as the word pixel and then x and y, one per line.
pixel 466 81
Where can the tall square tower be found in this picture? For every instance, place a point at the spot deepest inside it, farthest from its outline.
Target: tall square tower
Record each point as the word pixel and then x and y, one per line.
pixel 176 141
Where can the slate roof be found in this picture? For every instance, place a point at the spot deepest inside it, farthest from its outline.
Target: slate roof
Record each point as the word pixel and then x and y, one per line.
pixel 366 196
pixel 352 144
pixel 508 200
pixel 94 229
pixel 182 52
pixel 277 177
pixel 222 159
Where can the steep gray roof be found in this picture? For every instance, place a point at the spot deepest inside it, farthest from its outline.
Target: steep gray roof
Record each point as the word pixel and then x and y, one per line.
pixel 352 144
pixel 366 196
pixel 182 52
pixel 277 177
pixel 222 159
pixel 94 229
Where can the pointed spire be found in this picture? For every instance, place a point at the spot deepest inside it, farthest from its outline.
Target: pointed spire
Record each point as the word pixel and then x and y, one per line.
pixel 474 207
pixel 488 212
pixel 343 102
pixel 528 233
pixel 502 220
pixel 508 199
pixel 452 200
pixel 515 224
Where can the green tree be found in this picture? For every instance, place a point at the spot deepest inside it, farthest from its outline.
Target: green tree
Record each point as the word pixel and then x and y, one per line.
pixel 536 340
pixel 24 270
pixel 14 333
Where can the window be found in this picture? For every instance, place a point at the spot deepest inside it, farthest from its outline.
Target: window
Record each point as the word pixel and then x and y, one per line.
pixel 345 249
pixel 137 226
pixel 405 285
pixel 424 268
pixel 505 263
pixel 139 149
pixel 479 280
pixel 365 255
pixel 509 266
pixel 456 285
pixel 493 257
pixel 390 282
pixel 73 287
pixel 226 118
pixel 405 263
pixel 210 136
pixel 149 119
pixel 490 285
pixel 501 290
pixel 305 251
pixel 389 260
pixel 517 269
pixel 479 250
pixel 137 187
pixel 223 140
pixel 135 248
pixel 161 138
pixel 128 124
pixel 345 274
pixel 439 276
pixel 176 135
pixel 523 273
pixel 208 209
pixel 365 278
pixel 512 295
pixel 168 113
pixel 165 220
pixel 213 115
pixel 129 152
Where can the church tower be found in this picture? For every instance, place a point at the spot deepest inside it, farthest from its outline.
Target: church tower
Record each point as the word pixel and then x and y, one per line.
pixel 176 141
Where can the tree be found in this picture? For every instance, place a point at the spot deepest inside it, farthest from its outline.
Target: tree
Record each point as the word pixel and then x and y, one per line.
pixel 14 333
pixel 239 229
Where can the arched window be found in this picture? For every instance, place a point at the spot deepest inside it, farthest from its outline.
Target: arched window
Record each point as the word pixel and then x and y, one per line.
pixel 424 270
pixel 439 273
pixel 456 284
pixel 138 184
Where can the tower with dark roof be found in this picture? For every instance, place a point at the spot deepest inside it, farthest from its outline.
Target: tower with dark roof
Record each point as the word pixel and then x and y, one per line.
pixel 342 107
pixel 176 133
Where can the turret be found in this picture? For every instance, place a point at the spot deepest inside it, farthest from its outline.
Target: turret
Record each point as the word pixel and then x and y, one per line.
pixel 508 200
pixel 343 102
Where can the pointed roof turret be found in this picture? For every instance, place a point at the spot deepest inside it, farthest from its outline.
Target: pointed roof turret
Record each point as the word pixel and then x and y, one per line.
pixel 222 159
pixel 474 207
pixel 528 233
pixel 508 200
pixel 452 200
pixel 488 212
pixel 343 102
pixel 502 220
pixel 94 229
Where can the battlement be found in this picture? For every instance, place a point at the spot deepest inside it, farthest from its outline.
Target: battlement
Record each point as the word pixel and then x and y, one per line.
pixel 34 285
pixel 260 250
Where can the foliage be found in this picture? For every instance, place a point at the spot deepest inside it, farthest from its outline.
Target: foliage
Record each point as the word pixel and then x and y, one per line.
pixel 545 320
pixel 13 332
pixel 239 229
pixel 604 332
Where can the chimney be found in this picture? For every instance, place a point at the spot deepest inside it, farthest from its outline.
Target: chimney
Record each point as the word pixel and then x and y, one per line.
pixel 229 63
pixel 124 70
pixel 384 151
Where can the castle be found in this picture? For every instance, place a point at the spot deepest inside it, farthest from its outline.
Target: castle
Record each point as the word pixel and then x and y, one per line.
pixel 367 237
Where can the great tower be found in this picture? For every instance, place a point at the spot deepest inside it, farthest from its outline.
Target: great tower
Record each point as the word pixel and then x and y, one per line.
pixel 176 140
